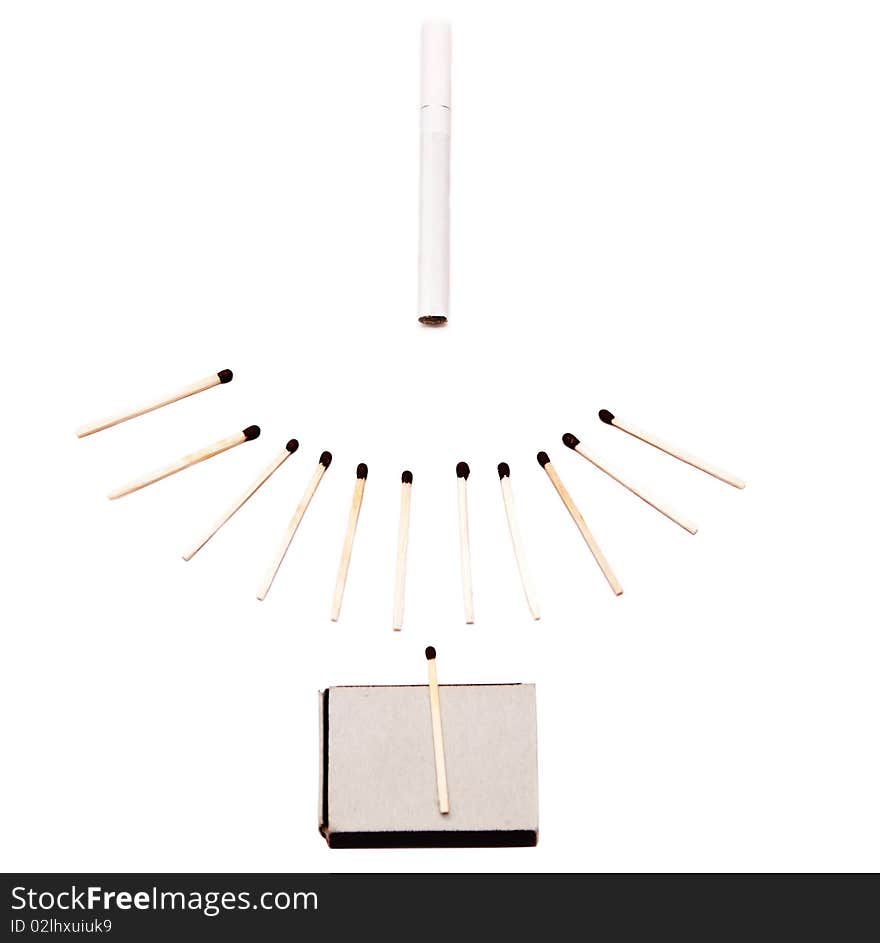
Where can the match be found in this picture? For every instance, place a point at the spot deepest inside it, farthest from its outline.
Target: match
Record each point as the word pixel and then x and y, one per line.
pixel 462 470
pixel 577 517
pixel 246 435
pixel 437 731
pixel 215 379
pixel 682 456
pixel 573 442
pixel 518 551
pixel 263 477
pixel 347 545
pixel 406 480
pixel 302 507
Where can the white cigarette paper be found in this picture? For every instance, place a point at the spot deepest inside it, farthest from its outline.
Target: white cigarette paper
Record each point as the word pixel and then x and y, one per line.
pixel 436 102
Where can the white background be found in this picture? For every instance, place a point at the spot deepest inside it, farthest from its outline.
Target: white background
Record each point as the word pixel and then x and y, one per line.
pixel 668 210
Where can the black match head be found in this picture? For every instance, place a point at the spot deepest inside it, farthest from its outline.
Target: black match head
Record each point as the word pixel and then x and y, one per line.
pixel 292 446
pixel 543 458
pixel 570 440
pixel 606 416
pixel 225 375
pixel 503 470
pixel 252 432
pixel 406 477
pixel 433 320
pixel 362 470
pixel 325 459
pixel 430 653
pixel 462 469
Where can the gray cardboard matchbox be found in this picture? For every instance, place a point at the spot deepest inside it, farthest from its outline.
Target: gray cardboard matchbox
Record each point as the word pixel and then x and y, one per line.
pixel 378 783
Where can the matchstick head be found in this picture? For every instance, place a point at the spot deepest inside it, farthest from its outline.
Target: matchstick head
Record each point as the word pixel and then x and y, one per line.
pixel 252 432
pixel 430 653
pixel 462 469
pixel 224 375
pixel 606 416
pixel 325 459
pixel 292 446
pixel 503 470
pixel 570 440
pixel 406 478
pixel 543 459
pixel 362 470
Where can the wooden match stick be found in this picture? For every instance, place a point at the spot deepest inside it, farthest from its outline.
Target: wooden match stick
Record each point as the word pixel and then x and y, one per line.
pixel 264 476
pixel 437 731
pixel 612 420
pixel 577 517
pixel 209 451
pixel 519 553
pixel 573 442
pixel 406 480
pixel 215 379
pixel 462 470
pixel 348 543
pixel 323 464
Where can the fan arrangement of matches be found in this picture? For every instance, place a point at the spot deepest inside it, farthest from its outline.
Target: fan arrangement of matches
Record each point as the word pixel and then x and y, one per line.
pixel 433 310
pixel 462 471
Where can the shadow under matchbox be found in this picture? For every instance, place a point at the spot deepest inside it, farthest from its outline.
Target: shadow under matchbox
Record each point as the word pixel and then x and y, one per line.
pixel 378 785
